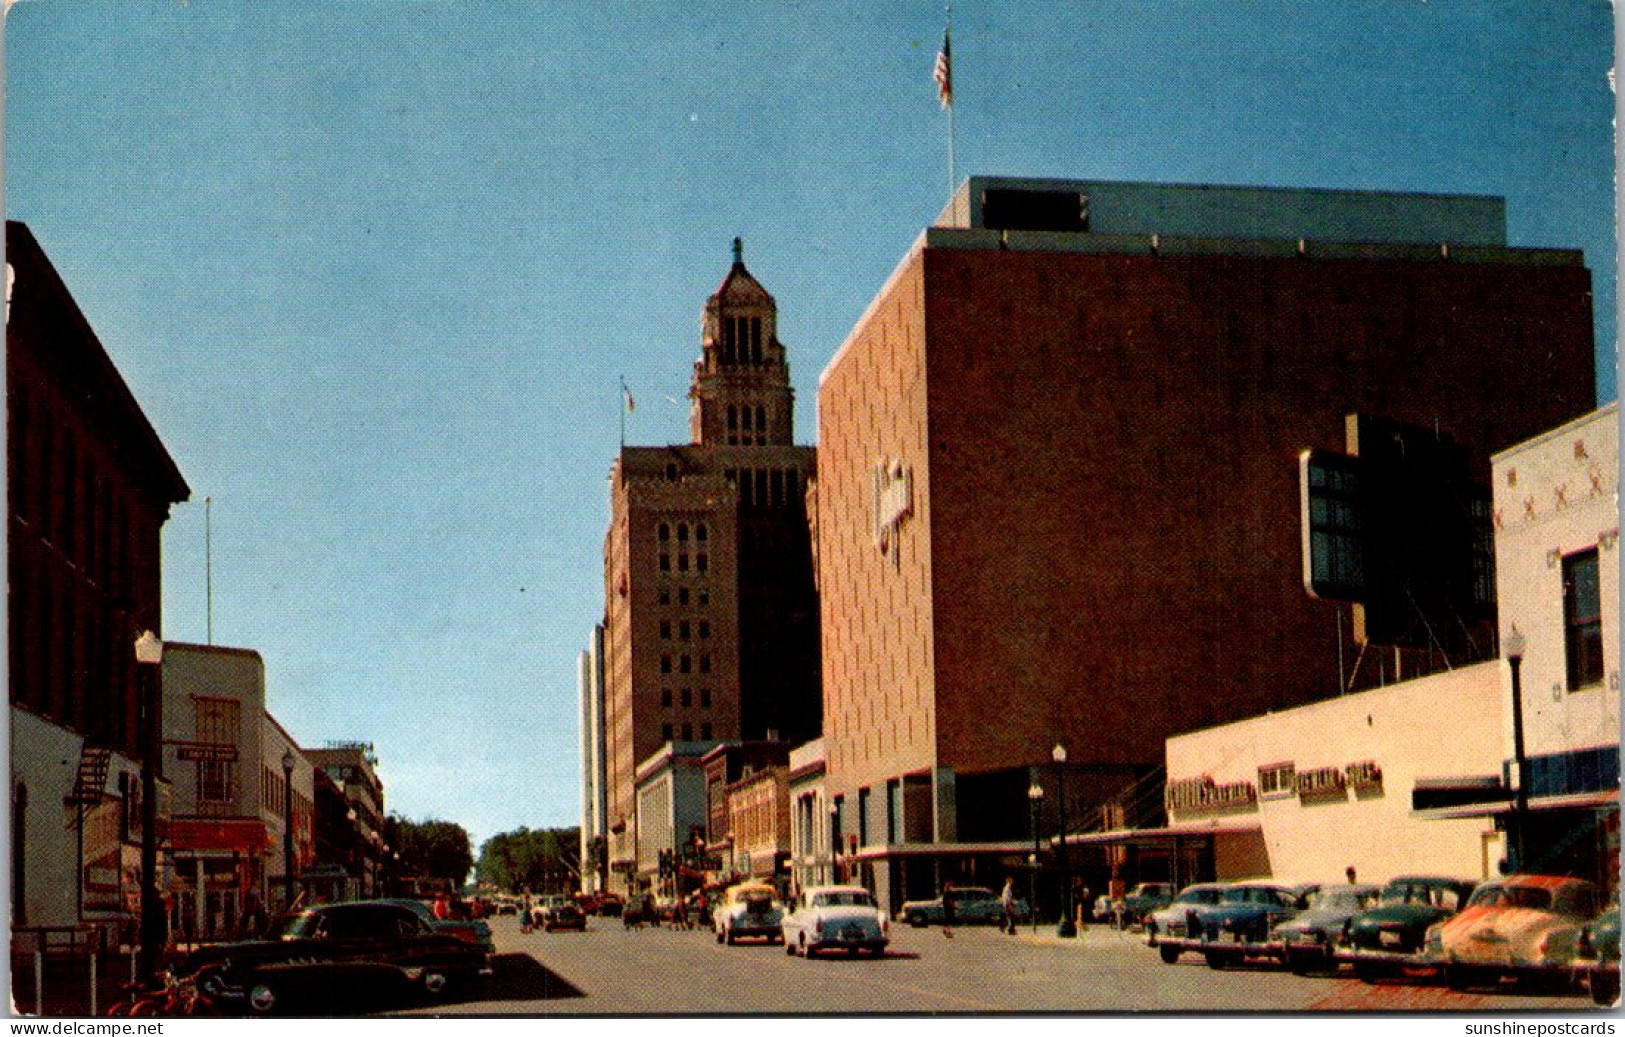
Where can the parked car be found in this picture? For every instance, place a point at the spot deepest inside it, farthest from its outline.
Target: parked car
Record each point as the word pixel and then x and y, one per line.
pixel 971 905
pixel 836 918
pixel 335 951
pixel 1596 964
pixel 1141 901
pixel 1390 938
pixel 1523 929
pixel 1239 926
pixel 1308 940
pixel 1165 928
pixel 750 909
pixel 475 931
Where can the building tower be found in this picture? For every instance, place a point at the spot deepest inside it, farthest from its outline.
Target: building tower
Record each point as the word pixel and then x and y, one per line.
pixel 711 611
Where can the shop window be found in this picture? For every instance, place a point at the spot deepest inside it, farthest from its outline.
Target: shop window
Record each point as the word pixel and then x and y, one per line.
pixel 1277 780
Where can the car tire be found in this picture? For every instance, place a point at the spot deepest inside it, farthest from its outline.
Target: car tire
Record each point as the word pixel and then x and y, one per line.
pixel 262 999
pixel 1169 954
pixel 789 948
pixel 436 983
pixel 1295 963
pixel 1604 988
pixel 1215 960
pixel 1367 973
pixel 917 920
pixel 729 938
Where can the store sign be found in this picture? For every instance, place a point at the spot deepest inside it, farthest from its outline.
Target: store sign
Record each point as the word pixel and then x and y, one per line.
pixel 894 502
pixel 1364 775
pixel 209 752
pixel 1321 781
pixel 1196 794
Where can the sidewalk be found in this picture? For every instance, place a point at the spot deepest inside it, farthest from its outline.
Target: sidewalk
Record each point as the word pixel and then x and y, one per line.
pixel 67 986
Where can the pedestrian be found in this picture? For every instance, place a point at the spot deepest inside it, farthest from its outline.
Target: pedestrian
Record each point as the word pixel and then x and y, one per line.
pixel 525 925
pixel 679 915
pixel 1350 872
pixel 1080 902
pixel 1007 902
pixel 442 906
pixel 949 895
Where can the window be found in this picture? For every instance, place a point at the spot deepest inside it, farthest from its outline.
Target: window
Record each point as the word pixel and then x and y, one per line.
pixel 705 732
pixel 683 664
pixel 701 562
pixel 682 562
pixel 699 532
pixel 665 696
pixel 705 664
pixel 704 595
pixel 217 724
pixel 682 532
pixel 863 817
pixel 705 697
pixel 665 664
pixel 1277 780
pixel 688 732
pixel 665 732
pixel 665 596
pixel 683 630
pixel 665 562
pixel 705 628
pixel 682 596
pixel 1582 619
pixel 664 533
pixel 688 696
pixel 665 630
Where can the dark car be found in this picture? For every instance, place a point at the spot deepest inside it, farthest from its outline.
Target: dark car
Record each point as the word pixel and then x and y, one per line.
pixel 971 904
pixel 1391 937
pixel 1239 926
pixel 557 913
pixel 1597 962
pixel 335 953
pixel 1141 901
pixel 1308 940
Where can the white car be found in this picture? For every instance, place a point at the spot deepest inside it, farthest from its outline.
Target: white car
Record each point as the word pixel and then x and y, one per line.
pixel 834 918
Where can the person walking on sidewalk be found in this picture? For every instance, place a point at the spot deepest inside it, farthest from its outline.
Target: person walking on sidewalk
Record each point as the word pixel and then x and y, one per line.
pixel 1007 903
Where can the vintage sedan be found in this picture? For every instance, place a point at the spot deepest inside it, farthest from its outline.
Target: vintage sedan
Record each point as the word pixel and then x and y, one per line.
pixel 1389 939
pixel 335 953
pixel 1520 929
pixel 475 930
pixel 1167 928
pixel 971 905
pixel 828 918
pixel 555 913
pixel 1239 926
pixel 749 910
pixel 1307 941
pixel 1141 901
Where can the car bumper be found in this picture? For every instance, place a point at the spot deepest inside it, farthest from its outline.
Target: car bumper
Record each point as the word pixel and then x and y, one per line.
pixel 1226 948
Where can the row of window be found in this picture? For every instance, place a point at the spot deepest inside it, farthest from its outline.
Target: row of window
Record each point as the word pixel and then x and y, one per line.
pixel 684 629
pixel 747 426
pixel 684 663
pixel 765 487
pixel 686 696
pixel 664 532
pixel 702 562
pixel 701 596
pixel 742 340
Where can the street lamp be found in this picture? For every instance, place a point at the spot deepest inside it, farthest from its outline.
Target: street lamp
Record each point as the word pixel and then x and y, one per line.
pixel 287 828
pixel 1035 796
pixel 1514 646
pixel 149 658
pixel 1066 929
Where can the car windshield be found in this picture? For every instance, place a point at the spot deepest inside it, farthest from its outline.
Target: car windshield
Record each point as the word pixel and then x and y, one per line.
pixel 1251 895
pixel 843 899
pixel 1350 900
pixel 1204 895
pixel 301 926
pixel 1514 896
pixel 1446 897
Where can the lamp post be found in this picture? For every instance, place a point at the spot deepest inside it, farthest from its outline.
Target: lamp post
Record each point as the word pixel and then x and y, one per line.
pixel 1066 929
pixel 149 658
pixel 1035 796
pixel 287 828
pixel 1520 804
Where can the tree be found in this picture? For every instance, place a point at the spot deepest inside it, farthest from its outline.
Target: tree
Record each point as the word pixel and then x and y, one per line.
pixel 544 860
pixel 435 849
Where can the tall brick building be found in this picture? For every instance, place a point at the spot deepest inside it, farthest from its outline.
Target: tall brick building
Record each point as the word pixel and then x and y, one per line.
pixel 1057 481
pixel 711 615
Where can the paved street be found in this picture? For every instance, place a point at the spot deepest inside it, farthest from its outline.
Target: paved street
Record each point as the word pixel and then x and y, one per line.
pixel 608 970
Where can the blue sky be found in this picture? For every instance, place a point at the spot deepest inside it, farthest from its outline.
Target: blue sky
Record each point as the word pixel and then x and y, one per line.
pixel 374 269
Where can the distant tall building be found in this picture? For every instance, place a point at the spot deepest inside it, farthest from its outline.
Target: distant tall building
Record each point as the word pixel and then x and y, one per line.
pixel 1057 482
pixel 711 613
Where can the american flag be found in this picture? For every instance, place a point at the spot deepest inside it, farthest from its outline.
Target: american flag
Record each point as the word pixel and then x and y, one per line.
pixel 944 74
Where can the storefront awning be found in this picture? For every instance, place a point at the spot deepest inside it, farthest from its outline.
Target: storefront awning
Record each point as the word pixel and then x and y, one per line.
pixel 234 835
pixel 1166 834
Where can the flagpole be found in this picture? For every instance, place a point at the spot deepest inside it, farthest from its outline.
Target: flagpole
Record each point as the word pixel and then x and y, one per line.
pixel 947 41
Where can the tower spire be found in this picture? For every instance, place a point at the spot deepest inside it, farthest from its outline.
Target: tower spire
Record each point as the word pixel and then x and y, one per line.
pixel 739 251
